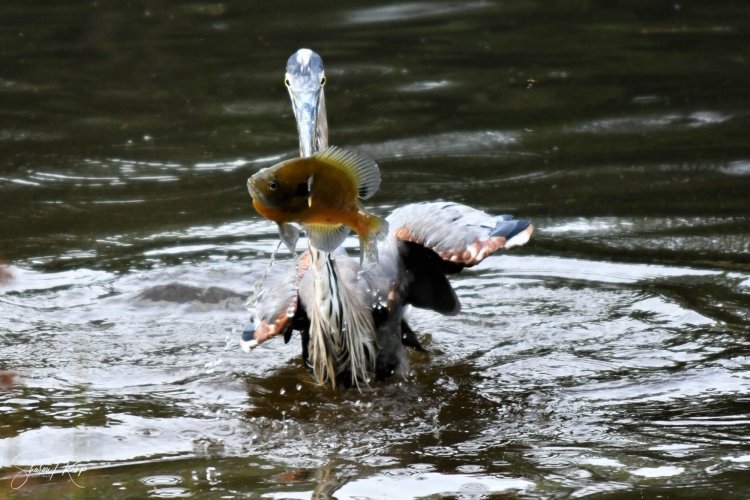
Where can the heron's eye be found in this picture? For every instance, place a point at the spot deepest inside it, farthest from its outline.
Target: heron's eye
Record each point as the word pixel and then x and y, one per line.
pixel 287 82
pixel 272 185
pixel 322 80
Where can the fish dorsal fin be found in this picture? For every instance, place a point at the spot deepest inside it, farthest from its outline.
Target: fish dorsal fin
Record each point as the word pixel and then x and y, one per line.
pixel 326 237
pixel 362 168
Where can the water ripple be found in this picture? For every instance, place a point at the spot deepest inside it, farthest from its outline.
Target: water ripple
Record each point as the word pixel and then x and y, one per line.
pixel 640 124
pixel 409 11
pixel 450 143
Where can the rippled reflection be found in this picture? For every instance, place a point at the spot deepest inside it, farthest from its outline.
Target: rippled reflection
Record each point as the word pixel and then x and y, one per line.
pixel 608 358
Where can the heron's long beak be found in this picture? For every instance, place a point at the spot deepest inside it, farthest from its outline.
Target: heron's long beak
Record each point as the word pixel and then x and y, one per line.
pixel 309 111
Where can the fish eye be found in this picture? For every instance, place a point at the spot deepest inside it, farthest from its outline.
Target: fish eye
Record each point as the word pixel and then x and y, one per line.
pixel 322 80
pixel 272 185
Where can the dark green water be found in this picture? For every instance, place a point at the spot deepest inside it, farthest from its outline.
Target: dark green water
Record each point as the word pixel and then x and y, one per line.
pixel 609 358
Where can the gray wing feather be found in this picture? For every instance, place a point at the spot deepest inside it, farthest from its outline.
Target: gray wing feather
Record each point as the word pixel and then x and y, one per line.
pixel 275 308
pixel 456 232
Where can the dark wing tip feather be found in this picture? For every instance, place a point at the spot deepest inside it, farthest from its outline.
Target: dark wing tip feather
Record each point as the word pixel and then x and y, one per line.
pixel 249 332
pixel 509 228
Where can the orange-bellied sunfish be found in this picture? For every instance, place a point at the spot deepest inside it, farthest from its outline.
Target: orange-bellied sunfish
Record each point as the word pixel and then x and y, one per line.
pixel 323 193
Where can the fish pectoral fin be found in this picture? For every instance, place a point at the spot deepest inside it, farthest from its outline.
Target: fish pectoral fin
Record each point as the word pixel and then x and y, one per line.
pixel 326 237
pixel 362 169
pixel 289 234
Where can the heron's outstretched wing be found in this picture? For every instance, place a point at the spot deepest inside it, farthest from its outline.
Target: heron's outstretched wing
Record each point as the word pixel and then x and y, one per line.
pixel 276 310
pixel 438 238
pixel 461 236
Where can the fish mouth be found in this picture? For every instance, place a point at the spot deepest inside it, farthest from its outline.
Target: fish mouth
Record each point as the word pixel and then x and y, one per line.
pixel 253 190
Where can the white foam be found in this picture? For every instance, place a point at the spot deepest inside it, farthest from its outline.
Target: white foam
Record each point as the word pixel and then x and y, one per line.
pixel 666 471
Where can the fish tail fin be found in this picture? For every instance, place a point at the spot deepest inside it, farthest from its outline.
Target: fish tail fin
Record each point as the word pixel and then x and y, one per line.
pixel 368 254
pixel 378 228
pixel 326 237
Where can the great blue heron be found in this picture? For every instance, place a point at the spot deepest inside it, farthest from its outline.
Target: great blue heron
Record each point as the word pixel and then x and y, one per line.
pixel 352 320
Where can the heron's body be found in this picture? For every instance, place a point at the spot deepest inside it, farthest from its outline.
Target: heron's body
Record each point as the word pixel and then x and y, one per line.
pixel 351 320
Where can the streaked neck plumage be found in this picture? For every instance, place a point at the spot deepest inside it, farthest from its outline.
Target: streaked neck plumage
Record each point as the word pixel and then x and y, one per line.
pixel 342 340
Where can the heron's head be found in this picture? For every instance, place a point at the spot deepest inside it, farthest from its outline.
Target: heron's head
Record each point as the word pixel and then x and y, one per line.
pixel 305 78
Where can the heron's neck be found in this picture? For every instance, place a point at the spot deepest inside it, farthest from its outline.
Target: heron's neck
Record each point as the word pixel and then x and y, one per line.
pixel 321 129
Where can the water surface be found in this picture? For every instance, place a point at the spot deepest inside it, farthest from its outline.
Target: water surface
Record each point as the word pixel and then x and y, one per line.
pixel 609 358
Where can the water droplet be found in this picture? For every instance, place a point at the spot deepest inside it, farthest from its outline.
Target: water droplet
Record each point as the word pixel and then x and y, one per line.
pixel 299 387
pixel 282 391
pixel 161 480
